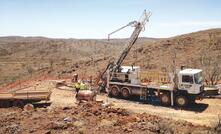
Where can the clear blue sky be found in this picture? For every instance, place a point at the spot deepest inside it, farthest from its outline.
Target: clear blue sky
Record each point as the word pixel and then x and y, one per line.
pixel 97 18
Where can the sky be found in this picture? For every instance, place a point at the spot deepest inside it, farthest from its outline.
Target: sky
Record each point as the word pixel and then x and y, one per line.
pixel 88 19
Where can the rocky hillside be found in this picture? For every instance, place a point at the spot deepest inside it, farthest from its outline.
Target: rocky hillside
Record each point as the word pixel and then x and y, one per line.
pixel 24 57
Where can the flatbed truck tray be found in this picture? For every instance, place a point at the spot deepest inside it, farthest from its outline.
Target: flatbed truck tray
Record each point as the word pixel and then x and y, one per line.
pixel 26 95
pixel 162 87
pixel 23 96
pixel 166 94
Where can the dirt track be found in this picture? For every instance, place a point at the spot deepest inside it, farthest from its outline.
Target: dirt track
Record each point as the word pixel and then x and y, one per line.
pixel 205 112
pixel 64 115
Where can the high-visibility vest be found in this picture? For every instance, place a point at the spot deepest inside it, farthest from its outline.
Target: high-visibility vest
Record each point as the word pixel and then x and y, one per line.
pixel 83 86
pixel 77 85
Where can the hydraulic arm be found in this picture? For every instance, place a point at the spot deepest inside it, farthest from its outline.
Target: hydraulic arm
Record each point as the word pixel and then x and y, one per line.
pixel 139 26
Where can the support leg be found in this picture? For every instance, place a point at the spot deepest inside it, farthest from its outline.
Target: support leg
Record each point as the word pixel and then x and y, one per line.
pixel 172 103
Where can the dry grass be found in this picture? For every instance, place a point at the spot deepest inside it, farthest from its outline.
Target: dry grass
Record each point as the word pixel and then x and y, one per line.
pixel 33 56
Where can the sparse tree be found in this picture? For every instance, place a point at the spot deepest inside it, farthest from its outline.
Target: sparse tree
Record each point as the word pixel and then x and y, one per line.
pixel 51 62
pixel 174 66
pixel 30 70
pixel 210 62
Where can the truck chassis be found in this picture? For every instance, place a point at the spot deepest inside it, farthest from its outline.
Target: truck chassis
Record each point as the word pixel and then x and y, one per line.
pixel 166 95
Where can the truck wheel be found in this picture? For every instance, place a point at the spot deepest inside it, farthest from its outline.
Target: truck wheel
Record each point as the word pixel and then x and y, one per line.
pixel 125 93
pixel 181 101
pixel 18 103
pixel 165 99
pixel 115 91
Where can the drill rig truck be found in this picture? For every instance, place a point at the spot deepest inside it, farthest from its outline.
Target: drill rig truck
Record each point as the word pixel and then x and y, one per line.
pixel 124 81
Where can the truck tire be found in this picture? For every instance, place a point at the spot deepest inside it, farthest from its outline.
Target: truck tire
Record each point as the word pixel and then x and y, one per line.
pixel 181 101
pixel 165 99
pixel 125 92
pixel 115 91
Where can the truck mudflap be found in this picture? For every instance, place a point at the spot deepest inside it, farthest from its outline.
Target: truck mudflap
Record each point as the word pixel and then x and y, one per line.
pixel 201 95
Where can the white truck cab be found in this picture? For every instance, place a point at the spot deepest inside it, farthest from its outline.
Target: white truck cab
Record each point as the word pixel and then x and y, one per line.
pixel 191 80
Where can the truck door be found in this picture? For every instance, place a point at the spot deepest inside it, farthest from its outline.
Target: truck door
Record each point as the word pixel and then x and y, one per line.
pixel 187 83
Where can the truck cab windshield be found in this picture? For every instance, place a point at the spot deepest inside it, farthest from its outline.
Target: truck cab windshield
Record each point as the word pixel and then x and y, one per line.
pixel 198 78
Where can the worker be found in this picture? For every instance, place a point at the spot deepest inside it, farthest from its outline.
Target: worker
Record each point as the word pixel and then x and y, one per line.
pixel 77 87
pixel 83 86
pixel 75 78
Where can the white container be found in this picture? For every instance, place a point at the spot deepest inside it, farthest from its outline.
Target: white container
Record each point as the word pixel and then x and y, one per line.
pixel 134 78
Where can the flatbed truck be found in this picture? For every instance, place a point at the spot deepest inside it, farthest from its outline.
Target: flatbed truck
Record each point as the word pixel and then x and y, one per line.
pixel 190 88
pixel 20 97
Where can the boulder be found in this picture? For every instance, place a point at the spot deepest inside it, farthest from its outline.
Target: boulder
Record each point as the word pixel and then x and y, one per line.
pixel 28 107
